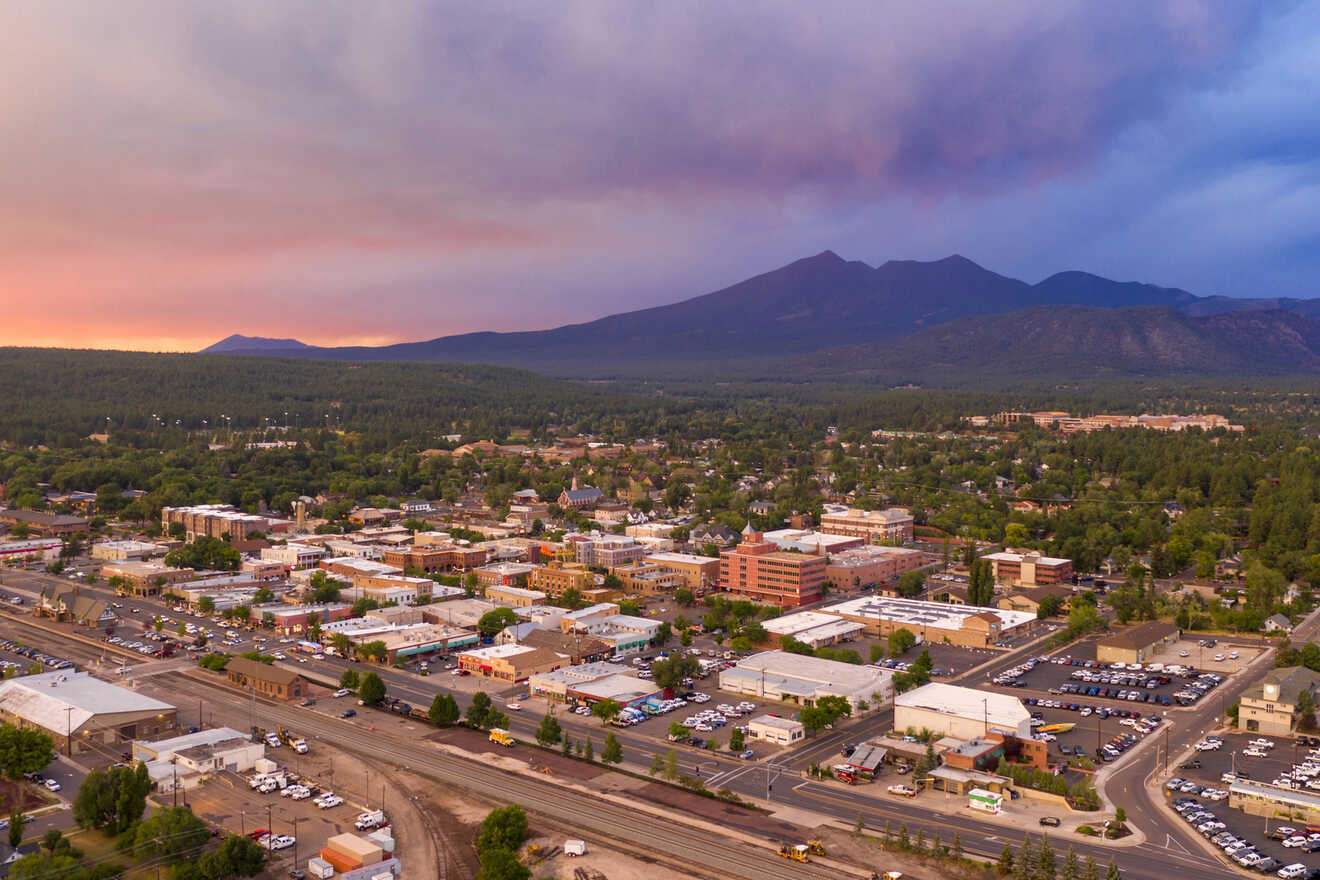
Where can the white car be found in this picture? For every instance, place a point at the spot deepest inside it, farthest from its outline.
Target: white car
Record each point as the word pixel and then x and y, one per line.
pixel 342 692
pixel 52 785
pixel 1295 841
pixel 326 801
pixel 1293 871
pixel 1261 742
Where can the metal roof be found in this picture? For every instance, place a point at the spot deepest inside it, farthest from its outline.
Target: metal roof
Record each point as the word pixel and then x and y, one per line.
pixel 44 699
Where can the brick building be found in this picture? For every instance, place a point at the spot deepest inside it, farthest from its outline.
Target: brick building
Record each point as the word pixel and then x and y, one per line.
pixel 758 570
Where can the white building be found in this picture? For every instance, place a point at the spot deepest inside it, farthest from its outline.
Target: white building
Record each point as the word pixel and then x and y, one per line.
pixel 190 758
pixel 800 679
pixel 774 729
pixel 808 541
pixel 44 549
pixel 123 551
pixel 294 555
pixel 813 628
pixel 963 713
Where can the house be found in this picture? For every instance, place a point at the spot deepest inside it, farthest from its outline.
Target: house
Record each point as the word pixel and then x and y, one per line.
pixel 268 680
pixel 1030 600
pixel 713 533
pixel 1277 623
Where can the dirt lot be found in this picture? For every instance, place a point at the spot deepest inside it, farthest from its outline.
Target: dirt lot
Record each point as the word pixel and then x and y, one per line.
pixel 597 864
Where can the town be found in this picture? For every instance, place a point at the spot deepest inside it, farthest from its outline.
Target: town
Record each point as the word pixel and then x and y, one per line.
pixel 866 665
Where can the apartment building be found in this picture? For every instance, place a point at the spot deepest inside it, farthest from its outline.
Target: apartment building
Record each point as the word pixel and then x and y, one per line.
pixel 607 551
pixel 438 558
pixel 649 579
pixel 219 521
pixel 893 526
pixel 758 570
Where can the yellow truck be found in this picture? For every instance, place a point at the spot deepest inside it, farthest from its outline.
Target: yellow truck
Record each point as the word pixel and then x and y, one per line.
pixel 797 853
pixel 501 736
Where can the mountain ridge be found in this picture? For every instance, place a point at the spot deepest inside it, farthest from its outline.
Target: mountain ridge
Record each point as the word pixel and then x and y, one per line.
pixel 824 303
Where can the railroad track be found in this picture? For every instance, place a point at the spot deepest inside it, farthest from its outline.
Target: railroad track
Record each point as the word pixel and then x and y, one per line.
pixel 670 840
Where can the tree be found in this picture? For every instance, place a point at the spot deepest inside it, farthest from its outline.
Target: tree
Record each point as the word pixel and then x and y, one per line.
pixel 671 764
pixel 1112 872
pixel 1048 607
pixel 900 640
pixel 737 741
pixel 23 750
pixel 443 711
pixel 911 583
pixel 503 828
pixel 1089 871
pixel 567 747
pixel 589 751
pixel 613 752
pixel 549 732
pixel 478 713
pixel 668 674
pixel 1005 863
pixel 112 800
pixel 1071 868
pixel 374 650
pixel 349 679
pixel 657 764
pixel 235 857
pixel 206 605
pixel 495 621
pixel 372 690
pixel 606 710
pixel 1046 864
pixel 684 597
pixel 877 652
pixel 15 828
pixel 981 584
pixel 171 832
pixel 205 553
pixel 501 864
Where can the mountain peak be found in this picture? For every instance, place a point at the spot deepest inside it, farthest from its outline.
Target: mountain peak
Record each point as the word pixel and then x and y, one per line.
pixel 237 342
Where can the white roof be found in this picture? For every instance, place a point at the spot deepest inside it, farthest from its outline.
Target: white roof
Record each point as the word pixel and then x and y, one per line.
pixel 777 722
pixel 43 698
pixel 1027 557
pixel 814 670
pixel 916 612
pixel 1001 710
pixel 688 558
pixel 795 623
pixel 189 740
pixel 806 540
pixel 496 651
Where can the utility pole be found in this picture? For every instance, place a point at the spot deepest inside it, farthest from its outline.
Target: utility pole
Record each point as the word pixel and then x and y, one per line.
pixel 295 841
pixel 68 730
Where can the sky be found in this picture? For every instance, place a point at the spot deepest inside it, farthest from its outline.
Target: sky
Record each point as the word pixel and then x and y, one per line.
pixel 172 172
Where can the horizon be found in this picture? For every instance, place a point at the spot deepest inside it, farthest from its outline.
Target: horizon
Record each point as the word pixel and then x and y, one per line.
pixel 353 177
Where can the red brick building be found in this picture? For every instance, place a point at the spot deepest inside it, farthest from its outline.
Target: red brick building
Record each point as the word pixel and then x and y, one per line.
pixel 758 570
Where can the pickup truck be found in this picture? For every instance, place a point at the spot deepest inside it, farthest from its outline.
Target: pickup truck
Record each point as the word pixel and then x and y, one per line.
pixel 366 821
pixel 904 790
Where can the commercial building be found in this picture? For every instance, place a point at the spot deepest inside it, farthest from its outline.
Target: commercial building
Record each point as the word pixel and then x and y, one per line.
pixel 145 578
pixel 397 588
pixel 294 555
pixel 122 551
pixel 968 626
pixel 510 663
pixel 812 628
pixel 515 597
pixel 591 683
pixel 1270 706
pixel 646 579
pixel 893 526
pixel 871 565
pixel 411 639
pixel 219 521
pixel 776 730
pixel 697 572
pixel 266 679
pixel 189 759
pixel 1028 569
pixel 1259 799
pixel 69 604
pixel 42 524
pixel 434 559
pixel 558 577
pixel 627 633
pixel 82 713
pixel 801 679
pixel 576 647
pixel 758 570
pixel 463 613
pixel 808 541
pixel 36 549
pixel 506 574
pixel 291 619
pixel 1136 644
pixel 963 713
pixel 607 551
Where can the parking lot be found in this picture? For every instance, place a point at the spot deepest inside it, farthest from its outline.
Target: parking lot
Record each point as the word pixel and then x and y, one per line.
pixel 1144 686
pixel 1201 784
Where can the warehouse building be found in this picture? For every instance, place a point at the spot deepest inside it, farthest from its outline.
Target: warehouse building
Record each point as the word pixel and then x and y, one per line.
pixel 969 626
pixel 591 683
pixel 959 712
pixel 801 679
pixel 82 713
pixel 812 628
pixel 1137 644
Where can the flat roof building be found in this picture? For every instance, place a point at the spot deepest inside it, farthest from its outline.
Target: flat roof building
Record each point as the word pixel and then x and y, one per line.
pixel 871 565
pixel 802 679
pixel 812 628
pixel 697 572
pixel 1028 569
pixel 960 712
pixel 514 597
pixel 872 526
pixel 969 626
pixel 591 683
pixel 774 729
pixel 119 551
pixel 758 570
pixel 511 663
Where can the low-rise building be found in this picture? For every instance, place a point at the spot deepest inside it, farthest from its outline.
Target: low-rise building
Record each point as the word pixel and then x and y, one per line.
pixel 647 579
pixel 1028 569
pixel 122 551
pixel 1137 644
pixel 556 578
pixel 43 524
pixel 812 628
pixel 145 578
pixel 803 680
pixel 809 541
pixel 70 604
pixel 509 663
pixel 266 679
pixel 188 760
pixel 507 574
pixel 893 526
pixel 758 570
pixel 591 683
pixel 31 550
pixel 960 712
pixel 965 625
pixel 1271 705
pixel 82 713
pixel 434 559
pixel 698 573
pixel 515 597
pixel 871 565
pixel 294 555
pixel 607 551
pixel 776 730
